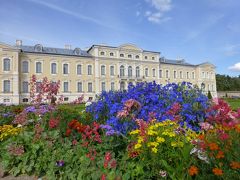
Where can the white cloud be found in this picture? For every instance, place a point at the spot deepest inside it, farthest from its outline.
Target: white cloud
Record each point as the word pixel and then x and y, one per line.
pixel 235 67
pixel 160 7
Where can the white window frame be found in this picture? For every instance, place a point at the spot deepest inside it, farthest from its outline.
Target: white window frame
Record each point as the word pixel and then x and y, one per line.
pixel 154 72
pixel 23 88
pixel 88 87
pixel 67 87
pixel 103 73
pixel 103 86
pixel 112 71
pixel 112 86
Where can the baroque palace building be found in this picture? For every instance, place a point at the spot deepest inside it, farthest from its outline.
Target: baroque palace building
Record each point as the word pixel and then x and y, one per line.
pixel 92 71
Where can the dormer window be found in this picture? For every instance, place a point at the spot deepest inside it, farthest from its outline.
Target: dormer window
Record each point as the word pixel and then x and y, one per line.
pixel 111 54
pixel 145 57
pixel 121 55
pixel 153 58
pixel 102 53
pixel 129 56
pixel 77 51
pixel 137 56
pixel 38 48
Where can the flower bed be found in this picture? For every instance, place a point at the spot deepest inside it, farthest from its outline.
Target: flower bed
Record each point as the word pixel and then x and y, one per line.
pixel 148 132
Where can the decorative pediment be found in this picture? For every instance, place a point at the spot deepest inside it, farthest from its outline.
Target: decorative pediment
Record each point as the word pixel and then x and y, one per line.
pixel 207 64
pixel 130 47
pixel 38 48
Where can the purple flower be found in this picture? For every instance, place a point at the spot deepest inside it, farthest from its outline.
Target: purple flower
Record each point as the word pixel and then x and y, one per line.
pixel 30 109
pixel 107 127
pixel 60 163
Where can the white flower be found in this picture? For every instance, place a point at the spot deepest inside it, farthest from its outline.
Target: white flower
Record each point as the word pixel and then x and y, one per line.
pixel 19 125
pixel 88 103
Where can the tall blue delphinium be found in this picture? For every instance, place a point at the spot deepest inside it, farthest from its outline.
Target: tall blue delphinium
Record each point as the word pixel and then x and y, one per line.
pixel 154 99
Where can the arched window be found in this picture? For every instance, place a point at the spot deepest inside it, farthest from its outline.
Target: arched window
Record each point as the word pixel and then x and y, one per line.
pixel 54 68
pixel 79 69
pixel 129 56
pixel 25 66
pixel 122 73
pixel 137 71
pixel 38 67
pixel 181 74
pixel 146 72
pixel 137 56
pixel 129 71
pixel 121 55
pixel 193 75
pixel 175 74
pixel 111 54
pixel 102 53
pixel 6 64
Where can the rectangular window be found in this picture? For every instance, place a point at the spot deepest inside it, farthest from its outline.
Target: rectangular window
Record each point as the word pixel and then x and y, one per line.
pixel 175 74
pixel 193 75
pixel 146 72
pixel 25 100
pixel 54 68
pixel 187 75
pixel 112 70
pixel 25 66
pixel 89 70
pixel 181 74
pixel 103 72
pixel 89 87
pixel 38 67
pixel 167 74
pixel 154 72
pixel 6 64
pixel 6 86
pixel 65 68
pixel 79 69
pixel 160 73
pixel 25 87
pixel 103 86
pixel 112 86
pixel 79 87
pixel 65 87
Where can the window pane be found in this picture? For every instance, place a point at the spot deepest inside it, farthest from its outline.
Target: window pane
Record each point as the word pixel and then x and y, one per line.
pixel 130 71
pixel 25 67
pixel 25 87
pixel 65 86
pixel 112 70
pixel 80 87
pixel 102 70
pixel 89 70
pixel 6 64
pixel 137 72
pixel 6 85
pixel 65 68
pixel 54 68
pixel 38 67
pixel 122 70
pixel 103 86
pixel 89 87
pixel 79 69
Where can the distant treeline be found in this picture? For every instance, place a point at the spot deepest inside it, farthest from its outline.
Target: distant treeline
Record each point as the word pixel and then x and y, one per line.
pixel 227 83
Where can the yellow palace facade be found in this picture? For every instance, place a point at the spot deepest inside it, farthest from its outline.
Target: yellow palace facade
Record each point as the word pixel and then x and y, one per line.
pixel 89 72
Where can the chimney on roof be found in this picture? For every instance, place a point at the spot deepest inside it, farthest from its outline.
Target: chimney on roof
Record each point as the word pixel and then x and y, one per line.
pixel 18 42
pixel 67 46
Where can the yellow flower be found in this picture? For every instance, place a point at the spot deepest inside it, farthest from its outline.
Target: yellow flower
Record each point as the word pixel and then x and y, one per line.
pixel 137 146
pixel 160 139
pixel 140 140
pixel 8 130
pixel 151 132
pixel 155 144
pixel 135 132
pixel 154 150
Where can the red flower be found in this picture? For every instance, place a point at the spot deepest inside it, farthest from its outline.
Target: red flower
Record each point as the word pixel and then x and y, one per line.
pixel 103 177
pixel 74 142
pixel 113 163
pixel 53 123
pixel 68 132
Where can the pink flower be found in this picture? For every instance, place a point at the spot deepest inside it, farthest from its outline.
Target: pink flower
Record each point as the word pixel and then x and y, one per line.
pixel 206 126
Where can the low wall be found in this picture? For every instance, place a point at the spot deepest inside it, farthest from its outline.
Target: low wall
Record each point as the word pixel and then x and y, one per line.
pixel 229 94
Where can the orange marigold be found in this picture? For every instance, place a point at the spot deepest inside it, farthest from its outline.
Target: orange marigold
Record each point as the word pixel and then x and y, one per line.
pixel 220 155
pixel 217 171
pixel 235 165
pixel 213 146
pixel 193 170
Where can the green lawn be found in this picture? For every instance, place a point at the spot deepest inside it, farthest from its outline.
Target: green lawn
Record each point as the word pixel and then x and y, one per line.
pixel 234 103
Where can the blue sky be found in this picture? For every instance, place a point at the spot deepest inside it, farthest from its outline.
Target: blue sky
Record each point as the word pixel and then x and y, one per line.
pixel 198 31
